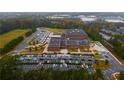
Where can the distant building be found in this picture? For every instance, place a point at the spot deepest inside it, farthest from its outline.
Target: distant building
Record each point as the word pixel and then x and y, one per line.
pixel 88 18
pixel 114 19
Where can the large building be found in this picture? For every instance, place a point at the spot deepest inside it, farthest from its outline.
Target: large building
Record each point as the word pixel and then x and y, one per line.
pixel 71 38
pixel 75 38
pixel 55 43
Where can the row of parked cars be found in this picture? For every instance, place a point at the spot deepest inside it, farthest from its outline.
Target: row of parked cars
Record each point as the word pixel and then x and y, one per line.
pixel 47 66
pixel 57 61
pixel 56 58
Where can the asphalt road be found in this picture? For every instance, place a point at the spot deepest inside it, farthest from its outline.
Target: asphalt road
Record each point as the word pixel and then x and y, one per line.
pixel 115 67
pixel 24 44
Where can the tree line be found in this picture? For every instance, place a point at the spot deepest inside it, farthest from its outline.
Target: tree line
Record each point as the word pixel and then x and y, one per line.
pixel 29 22
pixel 121 75
pixel 16 23
pixel 51 74
pixel 11 45
pixel 117 43
pixel 93 30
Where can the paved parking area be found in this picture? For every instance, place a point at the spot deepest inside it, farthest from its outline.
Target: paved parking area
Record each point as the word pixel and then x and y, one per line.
pixel 42 36
pixel 56 61
pixel 57 58
pixel 47 66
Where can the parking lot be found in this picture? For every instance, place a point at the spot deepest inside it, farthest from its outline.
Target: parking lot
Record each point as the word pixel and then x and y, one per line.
pixel 41 36
pixel 56 61
pixel 45 58
pixel 53 66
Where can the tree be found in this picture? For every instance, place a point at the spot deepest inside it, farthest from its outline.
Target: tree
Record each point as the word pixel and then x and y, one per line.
pixel 121 75
pixel 28 33
pixel 106 62
pixel 35 48
pixel 33 42
pixel 11 45
pixel 9 68
pixel 30 49
pixel 36 42
pixel 97 63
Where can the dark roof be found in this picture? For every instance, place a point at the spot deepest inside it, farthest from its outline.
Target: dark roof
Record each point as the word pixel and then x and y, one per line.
pixel 63 41
pixel 84 42
pixel 72 42
pixel 77 42
pixel 55 42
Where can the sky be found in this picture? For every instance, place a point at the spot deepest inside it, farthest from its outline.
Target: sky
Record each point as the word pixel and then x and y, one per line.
pixel 61 5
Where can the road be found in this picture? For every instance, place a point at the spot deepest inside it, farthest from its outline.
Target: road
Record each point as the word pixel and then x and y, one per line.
pixel 116 65
pixel 24 43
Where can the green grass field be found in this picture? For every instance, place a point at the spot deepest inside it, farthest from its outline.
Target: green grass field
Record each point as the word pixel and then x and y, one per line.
pixel 7 37
pixel 101 65
pixel 56 30
pixel 99 56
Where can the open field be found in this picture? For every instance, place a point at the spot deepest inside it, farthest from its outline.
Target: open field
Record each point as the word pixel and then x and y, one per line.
pixel 101 65
pixel 56 30
pixel 7 37
pixel 98 56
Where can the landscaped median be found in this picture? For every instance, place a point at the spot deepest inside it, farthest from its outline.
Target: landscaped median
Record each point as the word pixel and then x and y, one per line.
pixel 33 50
pixel 119 75
pixel 102 65
pixel 55 30
pixel 98 56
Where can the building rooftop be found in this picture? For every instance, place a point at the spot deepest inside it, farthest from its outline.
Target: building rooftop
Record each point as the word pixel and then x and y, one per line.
pixel 55 42
pixel 75 32
pixel 77 42
pixel 70 38
pixel 84 42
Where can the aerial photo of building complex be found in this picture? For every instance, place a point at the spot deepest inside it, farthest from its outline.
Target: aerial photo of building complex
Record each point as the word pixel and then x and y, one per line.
pixel 64 46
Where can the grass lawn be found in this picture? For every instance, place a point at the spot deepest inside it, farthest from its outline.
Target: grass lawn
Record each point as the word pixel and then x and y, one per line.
pixel 101 65
pixel 72 49
pixel 122 44
pixel 7 37
pixel 98 56
pixel 39 51
pixel 56 30
pixel 32 52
